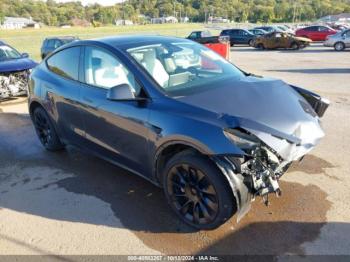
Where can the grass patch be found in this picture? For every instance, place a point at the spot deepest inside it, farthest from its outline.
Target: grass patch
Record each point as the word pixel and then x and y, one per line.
pixel 30 40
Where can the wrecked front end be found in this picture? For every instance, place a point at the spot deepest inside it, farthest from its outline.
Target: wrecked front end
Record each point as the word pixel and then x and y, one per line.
pixel 254 174
pixel 14 84
pixel 268 155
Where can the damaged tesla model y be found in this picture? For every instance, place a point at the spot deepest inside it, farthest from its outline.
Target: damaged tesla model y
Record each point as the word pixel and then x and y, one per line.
pixel 14 71
pixel 178 114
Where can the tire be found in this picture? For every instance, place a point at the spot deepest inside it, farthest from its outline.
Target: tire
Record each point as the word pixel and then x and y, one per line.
pixel 197 191
pixel 260 46
pixel 250 43
pixel 339 46
pixel 295 46
pixel 45 130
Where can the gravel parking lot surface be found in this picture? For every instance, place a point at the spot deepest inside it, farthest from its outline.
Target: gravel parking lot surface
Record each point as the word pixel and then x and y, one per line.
pixel 73 203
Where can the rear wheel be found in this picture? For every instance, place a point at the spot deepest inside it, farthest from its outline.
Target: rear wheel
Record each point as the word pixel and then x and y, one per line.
pixel 339 46
pixel 46 131
pixel 197 191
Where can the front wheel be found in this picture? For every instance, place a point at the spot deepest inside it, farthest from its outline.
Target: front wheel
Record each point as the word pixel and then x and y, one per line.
pixel 295 46
pixel 251 42
pixel 260 46
pixel 339 46
pixel 46 131
pixel 197 191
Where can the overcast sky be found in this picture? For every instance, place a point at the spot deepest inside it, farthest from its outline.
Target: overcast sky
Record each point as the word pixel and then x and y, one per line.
pixel 101 2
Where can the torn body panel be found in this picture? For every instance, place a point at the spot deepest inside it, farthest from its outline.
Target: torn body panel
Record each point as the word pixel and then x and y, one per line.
pixel 242 193
pixel 13 84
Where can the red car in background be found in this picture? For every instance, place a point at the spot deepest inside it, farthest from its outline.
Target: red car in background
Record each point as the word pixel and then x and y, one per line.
pixel 316 33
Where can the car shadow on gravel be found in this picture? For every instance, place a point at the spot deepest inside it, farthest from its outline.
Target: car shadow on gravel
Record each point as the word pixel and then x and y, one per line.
pixel 74 178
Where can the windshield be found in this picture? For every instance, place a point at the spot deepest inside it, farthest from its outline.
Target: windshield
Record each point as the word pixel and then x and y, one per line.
pixel 183 66
pixel 7 52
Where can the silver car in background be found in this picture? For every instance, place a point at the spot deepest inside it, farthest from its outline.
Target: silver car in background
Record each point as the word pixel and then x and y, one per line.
pixel 339 41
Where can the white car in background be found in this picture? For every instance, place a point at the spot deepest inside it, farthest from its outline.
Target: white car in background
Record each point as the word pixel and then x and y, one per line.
pixel 339 41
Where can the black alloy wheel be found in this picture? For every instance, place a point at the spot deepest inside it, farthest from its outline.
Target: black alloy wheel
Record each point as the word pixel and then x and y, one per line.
pixel 193 194
pixel 45 130
pixel 198 192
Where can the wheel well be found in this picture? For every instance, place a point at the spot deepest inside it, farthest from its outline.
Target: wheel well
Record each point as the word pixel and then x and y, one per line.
pixel 33 106
pixel 167 153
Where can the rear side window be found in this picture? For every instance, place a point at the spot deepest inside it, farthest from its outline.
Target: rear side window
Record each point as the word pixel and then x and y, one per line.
pixel 65 63
pixel 312 29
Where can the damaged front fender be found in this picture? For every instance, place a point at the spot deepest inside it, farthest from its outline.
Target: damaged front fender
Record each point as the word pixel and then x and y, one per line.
pixel 236 180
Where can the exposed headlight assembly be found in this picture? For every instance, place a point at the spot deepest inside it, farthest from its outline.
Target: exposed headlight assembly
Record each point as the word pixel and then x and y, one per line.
pixel 241 138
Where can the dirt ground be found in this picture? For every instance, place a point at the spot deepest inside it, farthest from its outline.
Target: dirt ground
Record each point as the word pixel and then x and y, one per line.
pixel 73 203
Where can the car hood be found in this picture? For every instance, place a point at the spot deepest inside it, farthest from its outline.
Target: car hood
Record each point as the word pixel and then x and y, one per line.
pixel 268 108
pixel 304 39
pixel 13 65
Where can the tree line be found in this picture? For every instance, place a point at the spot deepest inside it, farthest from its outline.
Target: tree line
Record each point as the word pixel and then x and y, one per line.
pixel 256 11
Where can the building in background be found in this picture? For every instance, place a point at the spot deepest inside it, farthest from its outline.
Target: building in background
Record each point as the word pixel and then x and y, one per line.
pixel 164 20
pixel 18 23
pixel 123 22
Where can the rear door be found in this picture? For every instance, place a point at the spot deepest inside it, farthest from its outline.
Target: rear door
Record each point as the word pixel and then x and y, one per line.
pixel 323 32
pixel 313 33
pixel 62 89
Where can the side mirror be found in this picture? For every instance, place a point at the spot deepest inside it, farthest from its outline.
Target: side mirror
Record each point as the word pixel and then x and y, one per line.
pixel 120 92
pixel 25 55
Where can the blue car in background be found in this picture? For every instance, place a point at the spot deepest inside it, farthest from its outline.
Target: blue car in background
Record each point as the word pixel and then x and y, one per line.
pixel 258 32
pixel 14 71
pixel 239 36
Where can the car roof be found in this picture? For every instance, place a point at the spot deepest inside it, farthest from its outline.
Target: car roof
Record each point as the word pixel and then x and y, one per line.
pixel 60 37
pixel 125 41
pixel 121 41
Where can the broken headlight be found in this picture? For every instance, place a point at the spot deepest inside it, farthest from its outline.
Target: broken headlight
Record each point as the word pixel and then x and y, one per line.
pixel 241 138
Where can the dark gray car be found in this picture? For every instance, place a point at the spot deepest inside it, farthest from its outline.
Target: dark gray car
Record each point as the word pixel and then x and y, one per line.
pixel 52 43
pixel 178 114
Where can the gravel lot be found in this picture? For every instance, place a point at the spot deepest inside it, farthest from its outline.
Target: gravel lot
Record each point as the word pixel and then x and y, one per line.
pixel 72 203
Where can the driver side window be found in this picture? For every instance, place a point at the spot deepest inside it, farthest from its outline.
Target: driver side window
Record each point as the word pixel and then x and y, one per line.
pixel 104 70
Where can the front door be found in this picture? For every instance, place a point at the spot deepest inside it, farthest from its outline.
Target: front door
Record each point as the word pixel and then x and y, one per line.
pixel 115 129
